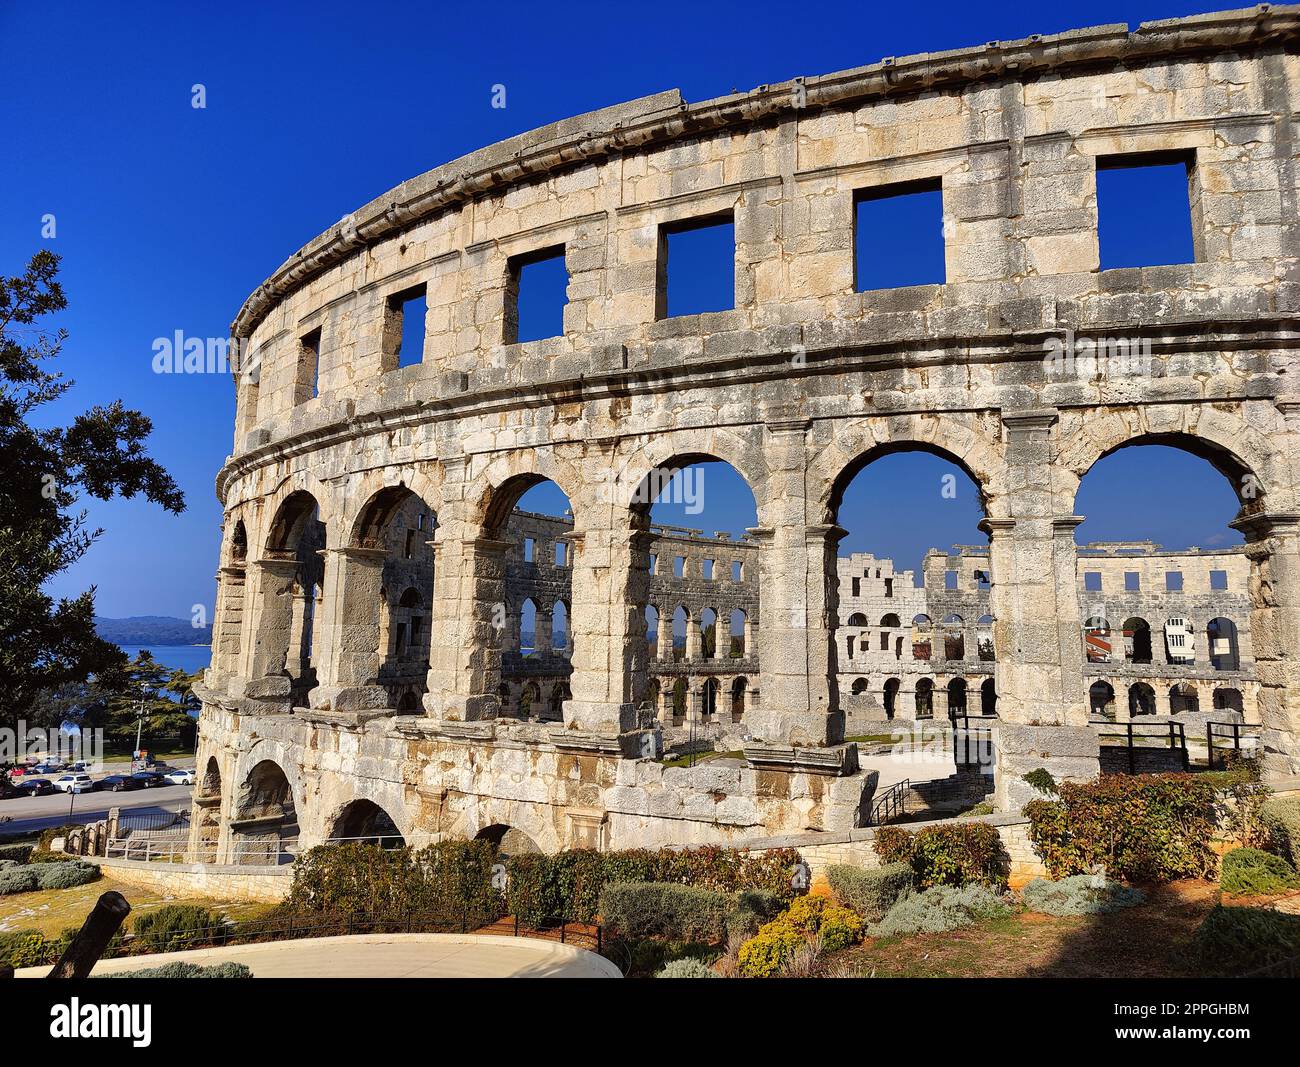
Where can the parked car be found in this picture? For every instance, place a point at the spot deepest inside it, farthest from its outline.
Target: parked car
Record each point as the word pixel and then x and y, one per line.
pixel 119 783
pixel 34 787
pixel 74 783
pixel 149 779
pixel 180 776
pixel 47 768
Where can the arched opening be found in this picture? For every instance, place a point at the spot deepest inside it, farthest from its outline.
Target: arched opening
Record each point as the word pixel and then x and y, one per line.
pixel 954 638
pixel 1222 636
pixel 859 687
pixel 530 698
pixel 1137 641
pixel 1101 701
pixel 293 574
pixel 238 543
pixel 1183 698
pixel 891 697
pixel 738 688
pixel 708 633
pixel 528 628
pixel 957 698
pixel 508 840
pixel 1141 700
pixel 388 595
pixel 207 805
pixel 264 829
pixel 984 638
pixel 1096 639
pixel 896 502
pixel 652 633
pixel 365 822
pixel 924 698
pixel 693 514
pixel 921 637
pixel 559 626
pixel 555 707
pixel 988 697
pixel 408 703
pixel 1229 701
pixel 709 699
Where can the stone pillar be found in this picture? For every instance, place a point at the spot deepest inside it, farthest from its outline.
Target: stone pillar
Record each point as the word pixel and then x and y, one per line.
pixel 1042 701
pixel 1273 547
pixel 666 700
pixel 272 626
pixel 349 635
pixel 543 621
pixel 798 578
pixel 611 585
pixel 468 618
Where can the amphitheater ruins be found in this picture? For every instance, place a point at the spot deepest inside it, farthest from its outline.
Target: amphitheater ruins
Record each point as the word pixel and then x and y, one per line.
pixel 370 667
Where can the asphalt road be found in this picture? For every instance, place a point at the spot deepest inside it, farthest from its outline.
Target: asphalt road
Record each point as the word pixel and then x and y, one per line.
pixel 30 814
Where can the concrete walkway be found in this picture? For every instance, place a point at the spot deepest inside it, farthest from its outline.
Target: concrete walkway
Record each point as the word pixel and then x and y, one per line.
pixel 385 956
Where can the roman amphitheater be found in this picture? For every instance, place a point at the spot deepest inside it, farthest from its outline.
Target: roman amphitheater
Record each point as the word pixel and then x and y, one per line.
pixel 397 646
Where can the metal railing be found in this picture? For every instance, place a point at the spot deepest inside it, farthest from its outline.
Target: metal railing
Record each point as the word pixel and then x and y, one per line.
pixel 971 745
pixel 891 803
pixel 1171 735
pixel 251 853
pixel 1235 730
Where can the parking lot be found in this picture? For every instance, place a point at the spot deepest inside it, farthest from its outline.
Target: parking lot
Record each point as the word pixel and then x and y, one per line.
pixel 31 814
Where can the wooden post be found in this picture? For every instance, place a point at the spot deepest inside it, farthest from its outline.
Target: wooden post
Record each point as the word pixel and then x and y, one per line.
pixel 90 942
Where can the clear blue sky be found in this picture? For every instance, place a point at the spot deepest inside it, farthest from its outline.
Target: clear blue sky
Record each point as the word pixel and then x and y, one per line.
pixel 167 216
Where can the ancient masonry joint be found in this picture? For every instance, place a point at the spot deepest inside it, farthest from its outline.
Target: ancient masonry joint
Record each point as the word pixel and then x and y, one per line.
pixel 371 671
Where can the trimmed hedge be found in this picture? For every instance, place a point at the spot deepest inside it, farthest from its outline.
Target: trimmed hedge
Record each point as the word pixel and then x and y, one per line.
pixel 940 908
pixel 17 853
pixel 1234 941
pixel 1281 816
pixel 569 885
pixel 1080 894
pixel 18 879
pixel 1250 872
pixel 870 892
pixel 637 910
pixel 185 970
pixel 64 875
pixel 1154 827
pixel 951 854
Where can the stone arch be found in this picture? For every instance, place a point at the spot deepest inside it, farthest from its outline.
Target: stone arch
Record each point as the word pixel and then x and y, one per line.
pixel 709 700
pixel 957 695
pixel 857 619
pixel 264 820
pixel 207 812
pixel 892 686
pixel 508 840
pixel 860 687
pixel 739 690
pixel 1141 700
pixel 988 697
pixel 925 698
pixel 362 821
pixel 1101 701
pixel 1137 640
pixel 498 489
pixel 677 449
pixel 1183 697
pixel 1228 699
pixel 1224 650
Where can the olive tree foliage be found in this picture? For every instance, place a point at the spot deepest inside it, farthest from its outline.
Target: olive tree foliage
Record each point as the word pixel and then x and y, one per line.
pixel 45 469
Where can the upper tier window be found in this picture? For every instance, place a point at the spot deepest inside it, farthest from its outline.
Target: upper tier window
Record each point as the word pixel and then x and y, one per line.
pixel 404 316
pixel 1144 209
pixel 697 267
pixel 898 236
pixel 537 291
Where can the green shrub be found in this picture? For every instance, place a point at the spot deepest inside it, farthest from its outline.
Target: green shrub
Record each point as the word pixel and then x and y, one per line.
pixel 1080 894
pixel 1042 780
pixel 178 926
pixel 940 908
pixel 17 853
pixel 17 880
pixel 1154 827
pixel 949 854
pixel 774 946
pixel 637 910
pixel 752 908
pixel 64 875
pixel 1233 941
pixel 870 892
pixel 1250 872
pixel 687 967
pixel 50 833
pixel 186 970
pixel 22 948
pixel 1281 816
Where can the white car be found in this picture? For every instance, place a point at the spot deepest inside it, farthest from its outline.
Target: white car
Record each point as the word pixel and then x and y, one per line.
pixel 74 783
pixel 180 776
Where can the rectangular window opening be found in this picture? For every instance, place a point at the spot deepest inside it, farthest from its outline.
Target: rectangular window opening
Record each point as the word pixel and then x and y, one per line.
pixel 1173 581
pixel 707 568
pixel 403 340
pixel 737 571
pixel 1218 579
pixel 898 236
pixel 1145 209
pixel 1092 581
pixel 950 579
pixel 529 546
pixel 537 291
pixel 679 567
pixel 1132 582
pixel 696 270
pixel 307 384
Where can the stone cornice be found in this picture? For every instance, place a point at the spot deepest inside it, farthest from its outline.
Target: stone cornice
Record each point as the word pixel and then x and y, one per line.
pixel 665 117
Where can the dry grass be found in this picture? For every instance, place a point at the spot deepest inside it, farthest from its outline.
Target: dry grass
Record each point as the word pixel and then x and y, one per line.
pixel 51 911
pixel 1142 942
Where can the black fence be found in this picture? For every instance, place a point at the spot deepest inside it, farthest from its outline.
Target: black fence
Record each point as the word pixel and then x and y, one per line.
pixel 1138 736
pixel 138 819
pixel 1230 738
pixel 891 804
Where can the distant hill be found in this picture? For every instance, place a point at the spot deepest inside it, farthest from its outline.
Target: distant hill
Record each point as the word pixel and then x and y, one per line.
pixel 152 630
